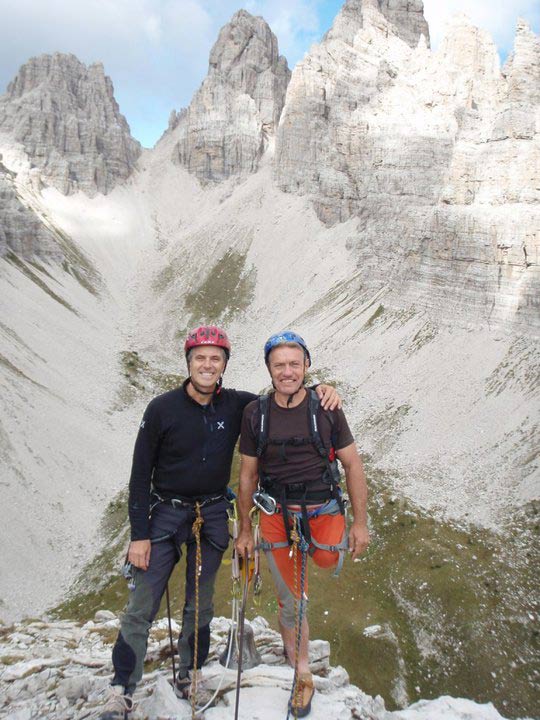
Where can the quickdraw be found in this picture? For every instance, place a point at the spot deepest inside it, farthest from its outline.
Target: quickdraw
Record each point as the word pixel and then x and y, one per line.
pixel 257 578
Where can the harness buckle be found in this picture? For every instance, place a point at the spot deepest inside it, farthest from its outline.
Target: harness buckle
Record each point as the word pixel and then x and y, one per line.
pixel 176 503
pixel 266 503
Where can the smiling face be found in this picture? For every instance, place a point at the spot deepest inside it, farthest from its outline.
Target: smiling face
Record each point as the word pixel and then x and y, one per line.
pixel 287 366
pixel 206 365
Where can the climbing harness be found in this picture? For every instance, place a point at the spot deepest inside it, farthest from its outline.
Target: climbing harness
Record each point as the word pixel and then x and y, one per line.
pixel 196 529
pixel 185 502
pixel 285 494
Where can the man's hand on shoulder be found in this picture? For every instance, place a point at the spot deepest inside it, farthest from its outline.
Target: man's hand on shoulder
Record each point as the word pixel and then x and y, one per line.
pixel 139 553
pixel 329 397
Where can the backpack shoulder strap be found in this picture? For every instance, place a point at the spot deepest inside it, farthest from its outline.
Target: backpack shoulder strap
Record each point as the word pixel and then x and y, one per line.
pixel 314 405
pixel 262 435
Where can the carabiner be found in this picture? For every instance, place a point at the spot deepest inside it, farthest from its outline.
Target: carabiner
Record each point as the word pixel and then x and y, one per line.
pixel 265 502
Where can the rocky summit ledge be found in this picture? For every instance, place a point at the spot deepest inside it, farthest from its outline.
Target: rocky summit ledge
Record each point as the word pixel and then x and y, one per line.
pixel 61 670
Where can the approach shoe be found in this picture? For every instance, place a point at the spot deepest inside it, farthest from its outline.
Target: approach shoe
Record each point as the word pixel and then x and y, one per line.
pixel 118 704
pixel 303 695
pixel 182 687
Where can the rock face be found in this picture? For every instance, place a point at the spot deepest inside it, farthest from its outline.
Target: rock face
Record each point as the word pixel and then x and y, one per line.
pixel 405 19
pixel 61 671
pixel 21 230
pixel 65 115
pixel 26 232
pixel 236 110
pixel 435 154
pixel 329 144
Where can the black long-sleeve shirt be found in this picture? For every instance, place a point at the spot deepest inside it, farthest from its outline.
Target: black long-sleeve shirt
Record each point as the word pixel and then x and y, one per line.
pixel 183 449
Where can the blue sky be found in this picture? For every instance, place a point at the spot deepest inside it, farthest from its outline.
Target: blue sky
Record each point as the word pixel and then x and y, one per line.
pixel 156 51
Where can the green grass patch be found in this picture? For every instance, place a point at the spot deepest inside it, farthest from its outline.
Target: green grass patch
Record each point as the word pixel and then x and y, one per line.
pixel 142 378
pixel 374 317
pixel 227 290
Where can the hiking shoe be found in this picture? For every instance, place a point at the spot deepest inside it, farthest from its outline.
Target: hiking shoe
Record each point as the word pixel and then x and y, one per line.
pixel 303 694
pixel 182 687
pixel 118 705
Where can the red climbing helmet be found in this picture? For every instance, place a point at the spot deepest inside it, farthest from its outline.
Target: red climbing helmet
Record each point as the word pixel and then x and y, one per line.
pixel 208 335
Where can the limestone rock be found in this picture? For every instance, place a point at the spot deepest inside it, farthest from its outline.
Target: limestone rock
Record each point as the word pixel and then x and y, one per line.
pixel 65 116
pixel 232 116
pixel 522 68
pixel 163 703
pixel 403 18
pixel 435 154
pixel 21 230
pixel 65 690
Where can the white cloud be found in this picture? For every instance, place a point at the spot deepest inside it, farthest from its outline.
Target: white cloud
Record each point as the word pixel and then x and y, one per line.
pixel 498 17
pixel 154 28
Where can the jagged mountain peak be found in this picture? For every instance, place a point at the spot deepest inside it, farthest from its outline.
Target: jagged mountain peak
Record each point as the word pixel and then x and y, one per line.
pixel 469 48
pixel 244 40
pixel 405 18
pixel 522 69
pixel 237 109
pixel 65 115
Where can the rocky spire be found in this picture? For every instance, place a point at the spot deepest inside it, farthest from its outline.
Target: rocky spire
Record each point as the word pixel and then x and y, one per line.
pixel 405 18
pixel 522 69
pixel 238 106
pixel 65 115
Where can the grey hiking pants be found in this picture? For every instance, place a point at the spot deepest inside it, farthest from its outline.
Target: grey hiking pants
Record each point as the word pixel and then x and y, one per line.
pixel 170 528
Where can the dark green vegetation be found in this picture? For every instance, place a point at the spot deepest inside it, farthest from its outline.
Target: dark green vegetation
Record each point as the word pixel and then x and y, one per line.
pixel 454 607
pixel 227 290
pixel 143 378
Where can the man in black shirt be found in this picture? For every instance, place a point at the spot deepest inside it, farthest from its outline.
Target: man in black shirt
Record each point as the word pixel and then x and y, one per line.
pixel 181 467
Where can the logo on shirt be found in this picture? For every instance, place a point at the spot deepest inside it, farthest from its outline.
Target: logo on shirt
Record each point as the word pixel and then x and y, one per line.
pixel 221 424
pixel 142 424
